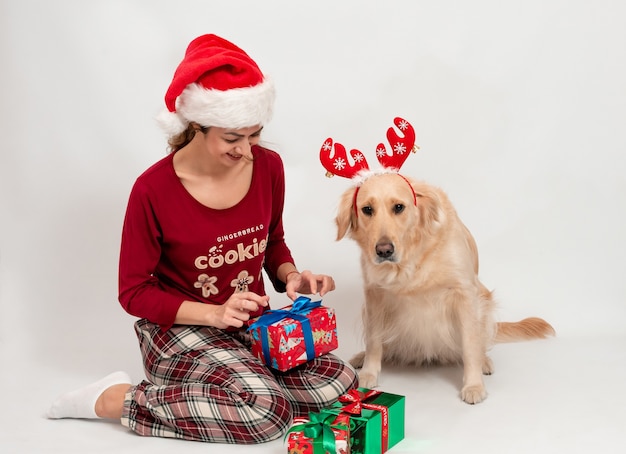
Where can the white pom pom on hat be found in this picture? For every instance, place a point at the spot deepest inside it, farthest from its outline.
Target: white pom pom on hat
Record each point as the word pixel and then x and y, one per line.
pixel 216 84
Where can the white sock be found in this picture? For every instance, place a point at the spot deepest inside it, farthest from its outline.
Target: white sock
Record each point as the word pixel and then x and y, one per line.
pixel 81 403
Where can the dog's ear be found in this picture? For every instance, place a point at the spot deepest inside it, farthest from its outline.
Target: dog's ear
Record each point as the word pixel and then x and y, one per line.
pixel 430 208
pixel 346 217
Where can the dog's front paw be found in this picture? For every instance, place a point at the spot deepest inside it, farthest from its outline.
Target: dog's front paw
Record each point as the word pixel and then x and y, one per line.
pixel 367 380
pixel 473 394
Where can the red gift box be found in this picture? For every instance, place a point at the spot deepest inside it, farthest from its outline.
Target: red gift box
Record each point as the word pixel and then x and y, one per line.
pixel 288 337
pixel 328 434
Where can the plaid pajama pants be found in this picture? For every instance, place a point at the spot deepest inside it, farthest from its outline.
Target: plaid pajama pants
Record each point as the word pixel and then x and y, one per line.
pixel 205 385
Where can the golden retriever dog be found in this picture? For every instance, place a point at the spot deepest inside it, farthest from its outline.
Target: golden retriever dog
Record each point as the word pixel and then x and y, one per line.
pixel 424 302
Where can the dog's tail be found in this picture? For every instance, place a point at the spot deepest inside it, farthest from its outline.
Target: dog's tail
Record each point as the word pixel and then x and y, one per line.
pixel 527 329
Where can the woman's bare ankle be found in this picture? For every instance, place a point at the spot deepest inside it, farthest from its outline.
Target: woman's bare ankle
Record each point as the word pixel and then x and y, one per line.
pixel 111 402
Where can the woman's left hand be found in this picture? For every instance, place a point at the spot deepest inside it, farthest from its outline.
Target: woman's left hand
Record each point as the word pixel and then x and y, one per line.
pixel 308 283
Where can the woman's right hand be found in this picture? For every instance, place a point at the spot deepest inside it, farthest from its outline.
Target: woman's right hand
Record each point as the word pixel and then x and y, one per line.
pixel 236 310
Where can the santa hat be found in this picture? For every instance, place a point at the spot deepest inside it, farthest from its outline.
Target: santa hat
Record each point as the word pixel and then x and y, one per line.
pixel 216 84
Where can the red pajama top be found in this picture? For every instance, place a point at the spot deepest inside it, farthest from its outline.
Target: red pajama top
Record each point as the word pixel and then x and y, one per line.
pixel 175 249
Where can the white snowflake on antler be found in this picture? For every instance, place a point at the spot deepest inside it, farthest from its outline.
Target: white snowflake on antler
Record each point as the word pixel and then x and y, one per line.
pixel 339 164
pixel 380 151
pixel 399 148
pixel 358 157
pixel 327 146
pixel 403 125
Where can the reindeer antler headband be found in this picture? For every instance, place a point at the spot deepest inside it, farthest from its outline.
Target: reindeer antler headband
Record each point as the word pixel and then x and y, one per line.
pixel 337 163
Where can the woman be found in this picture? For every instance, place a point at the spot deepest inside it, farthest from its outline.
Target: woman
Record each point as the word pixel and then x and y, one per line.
pixel 200 226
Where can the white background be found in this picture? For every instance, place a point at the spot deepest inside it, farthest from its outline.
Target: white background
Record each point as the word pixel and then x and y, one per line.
pixel 519 108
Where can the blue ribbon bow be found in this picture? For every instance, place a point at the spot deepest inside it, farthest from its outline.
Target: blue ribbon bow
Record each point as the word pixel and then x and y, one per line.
pixel 301 306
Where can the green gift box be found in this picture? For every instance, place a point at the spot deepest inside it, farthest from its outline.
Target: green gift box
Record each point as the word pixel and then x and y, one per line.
pixel 376 419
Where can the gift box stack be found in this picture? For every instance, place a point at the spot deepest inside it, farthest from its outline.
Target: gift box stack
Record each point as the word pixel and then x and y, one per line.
pixel 288 337
pixel 372 421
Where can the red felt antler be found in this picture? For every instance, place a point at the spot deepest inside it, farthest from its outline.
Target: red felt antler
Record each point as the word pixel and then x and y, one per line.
pixel 337 163
pixel 400 146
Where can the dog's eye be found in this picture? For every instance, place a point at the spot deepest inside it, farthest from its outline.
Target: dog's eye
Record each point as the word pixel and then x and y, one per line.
pixel 398 208
pixel 367 210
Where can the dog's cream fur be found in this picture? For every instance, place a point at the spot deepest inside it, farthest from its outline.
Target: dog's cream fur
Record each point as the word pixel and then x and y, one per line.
pixel 423 300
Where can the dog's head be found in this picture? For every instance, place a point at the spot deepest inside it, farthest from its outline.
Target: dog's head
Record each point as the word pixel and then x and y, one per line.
pixel 388 215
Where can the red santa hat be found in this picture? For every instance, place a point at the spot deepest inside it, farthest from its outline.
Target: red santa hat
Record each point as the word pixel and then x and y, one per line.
pixel 216 84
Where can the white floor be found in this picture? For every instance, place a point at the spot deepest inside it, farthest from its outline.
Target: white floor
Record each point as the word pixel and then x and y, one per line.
pixel 562 395
pixel 518 108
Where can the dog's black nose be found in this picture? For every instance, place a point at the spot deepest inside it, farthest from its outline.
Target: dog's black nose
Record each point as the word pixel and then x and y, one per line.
pixel 384 250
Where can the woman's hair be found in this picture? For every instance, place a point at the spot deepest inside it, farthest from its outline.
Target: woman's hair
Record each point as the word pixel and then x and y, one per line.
pixel 178 141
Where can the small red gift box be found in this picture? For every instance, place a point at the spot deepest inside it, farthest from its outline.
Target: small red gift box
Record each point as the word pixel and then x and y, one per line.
pixel 323 434
pixel 288 337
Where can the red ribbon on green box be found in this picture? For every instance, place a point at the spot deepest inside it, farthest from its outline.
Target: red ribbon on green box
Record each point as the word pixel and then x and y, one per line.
pixel 354 402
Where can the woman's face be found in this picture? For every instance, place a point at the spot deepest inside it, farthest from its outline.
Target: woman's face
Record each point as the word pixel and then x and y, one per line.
pixel 232 145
